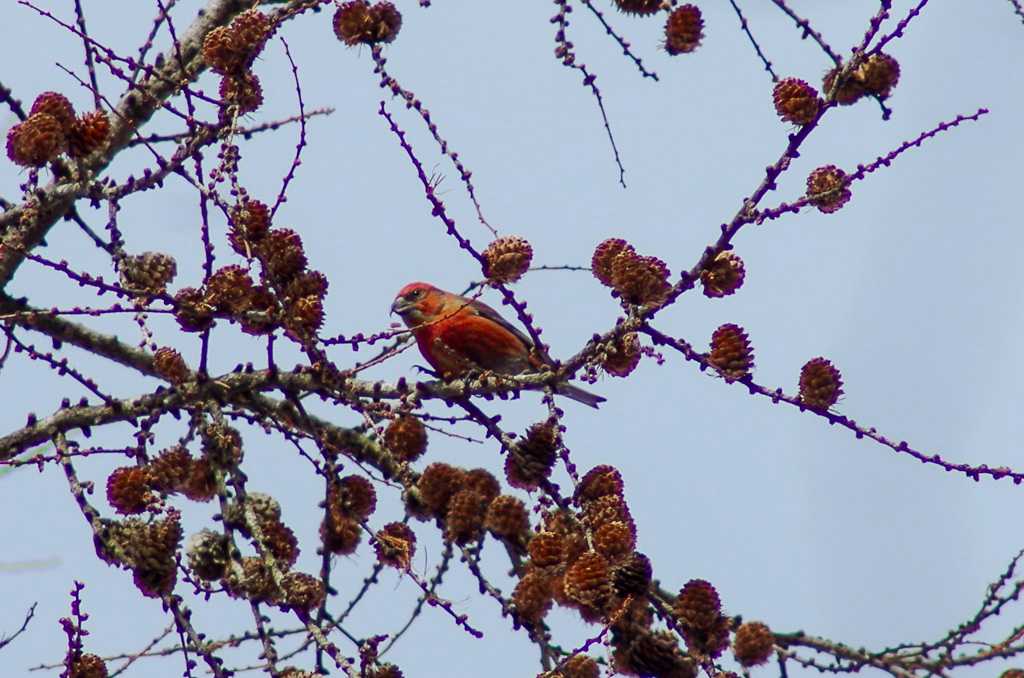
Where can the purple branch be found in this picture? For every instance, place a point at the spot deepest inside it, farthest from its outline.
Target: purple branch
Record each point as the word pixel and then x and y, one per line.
pixel 90 65
pixel 901 26
pixel 564 52
pixel 147 44
pixel 1017 9
pixel 747 212
pixel 873 26
pixel 6 640
pixel 864 170
pixel 433 600
pixel 777 396
pixel 83 279
pixel 750 36
pixel 297 160
pixel 60 366
pixel 7 98
pixel 887 159
pixel 808 31
pixel 411 101
pixel 623 43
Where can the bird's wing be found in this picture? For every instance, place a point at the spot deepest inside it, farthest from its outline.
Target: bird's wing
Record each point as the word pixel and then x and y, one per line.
pixel 482 309
pixel 488 344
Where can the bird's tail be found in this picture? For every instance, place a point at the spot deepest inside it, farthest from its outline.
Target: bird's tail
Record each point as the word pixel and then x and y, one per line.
pixel 580 395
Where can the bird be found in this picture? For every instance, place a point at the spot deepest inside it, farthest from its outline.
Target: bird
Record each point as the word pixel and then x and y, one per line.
pixel 457 335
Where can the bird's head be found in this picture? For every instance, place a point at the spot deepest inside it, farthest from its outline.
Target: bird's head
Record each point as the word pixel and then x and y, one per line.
pixel 417 303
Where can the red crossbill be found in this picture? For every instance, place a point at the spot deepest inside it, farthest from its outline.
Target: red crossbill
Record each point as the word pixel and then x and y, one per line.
pixel 457 335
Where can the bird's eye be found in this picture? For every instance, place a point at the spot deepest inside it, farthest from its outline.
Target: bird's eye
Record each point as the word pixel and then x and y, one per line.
pixel 415 294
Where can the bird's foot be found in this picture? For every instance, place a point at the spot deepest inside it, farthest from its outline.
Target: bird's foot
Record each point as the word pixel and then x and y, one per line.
pixel 426 370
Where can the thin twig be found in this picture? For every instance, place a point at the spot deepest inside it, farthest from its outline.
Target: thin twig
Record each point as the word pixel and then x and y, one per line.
pixel 297 160
pixel 809 31
pixel 6 640
pixel 90 64
pixel 244 132
pixel 565 53
pixel 776 395
pixel 744 24
pixel 6 97
pixel 623 43
pixel 1017 9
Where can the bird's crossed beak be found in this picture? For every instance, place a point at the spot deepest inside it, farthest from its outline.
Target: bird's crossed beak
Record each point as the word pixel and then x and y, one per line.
pixel 400 306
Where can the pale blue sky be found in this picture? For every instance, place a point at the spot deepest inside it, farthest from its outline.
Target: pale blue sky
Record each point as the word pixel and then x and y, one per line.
pixel 912 290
